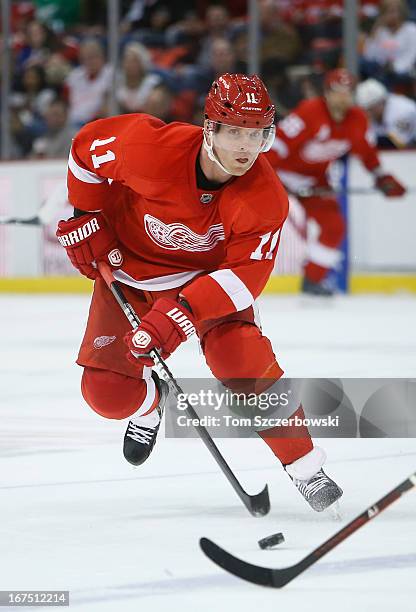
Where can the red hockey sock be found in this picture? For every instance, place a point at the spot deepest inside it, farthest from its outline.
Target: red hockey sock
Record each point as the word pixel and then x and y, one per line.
pixel 315 272
pixel 288 442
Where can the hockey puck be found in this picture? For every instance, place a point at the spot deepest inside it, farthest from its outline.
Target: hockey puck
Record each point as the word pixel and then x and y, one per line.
pixel 271 541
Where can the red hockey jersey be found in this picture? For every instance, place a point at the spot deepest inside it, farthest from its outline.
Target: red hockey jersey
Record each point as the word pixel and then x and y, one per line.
pixel 308 140
pixel 221 244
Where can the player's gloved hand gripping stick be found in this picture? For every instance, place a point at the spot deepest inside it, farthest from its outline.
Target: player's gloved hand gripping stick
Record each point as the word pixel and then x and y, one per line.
pixel 257 505
pixel 165 326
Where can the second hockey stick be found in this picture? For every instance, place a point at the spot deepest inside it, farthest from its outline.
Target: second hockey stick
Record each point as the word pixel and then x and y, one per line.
pixel 278 578
pixel 257 505
pixel 20 221
pixel 324 192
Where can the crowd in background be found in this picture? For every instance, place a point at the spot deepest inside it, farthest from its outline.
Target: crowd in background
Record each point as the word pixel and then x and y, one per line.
pixel 170 52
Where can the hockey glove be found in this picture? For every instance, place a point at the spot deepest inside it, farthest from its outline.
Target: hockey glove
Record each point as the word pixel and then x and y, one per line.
pixel 88 239
pixel 164 327
pixel 390 186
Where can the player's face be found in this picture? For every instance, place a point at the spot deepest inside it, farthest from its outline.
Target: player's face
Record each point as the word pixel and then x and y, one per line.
pixel 237 148
pixel 339 102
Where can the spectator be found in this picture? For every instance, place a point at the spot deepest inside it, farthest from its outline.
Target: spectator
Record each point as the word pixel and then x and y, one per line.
pixel 21 136
pixel 217 21
pixel 154 34
pixel 217 26
pixel 34 93
pixel 189 31
pixel 140 13
pixel 40 42
pixel 392 116
pixel 222 57
pixel 136 81
pixel 159 103
pixel 279 40
pixel 57 69
pixel 221 60
pixel 287 92
pixel 56 140
pixel 88 84
pixel 28 101
pixel 389 52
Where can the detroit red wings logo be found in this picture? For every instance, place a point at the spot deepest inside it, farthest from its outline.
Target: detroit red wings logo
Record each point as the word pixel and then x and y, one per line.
pixel 176 236
pixel 102 341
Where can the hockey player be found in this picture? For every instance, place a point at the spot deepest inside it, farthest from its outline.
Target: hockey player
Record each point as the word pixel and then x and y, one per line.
pixel 318 132
pixel 190 220
pixel 392 116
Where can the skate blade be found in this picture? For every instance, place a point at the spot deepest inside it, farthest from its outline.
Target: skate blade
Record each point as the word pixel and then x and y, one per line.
pixel 335 512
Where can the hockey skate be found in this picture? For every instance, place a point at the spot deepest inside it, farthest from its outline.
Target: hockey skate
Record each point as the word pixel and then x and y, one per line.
pixel 313 484
pixel 140 436
pixel 316 289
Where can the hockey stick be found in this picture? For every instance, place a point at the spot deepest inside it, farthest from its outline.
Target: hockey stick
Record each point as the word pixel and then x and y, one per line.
pixel 47 210
pixel 20 221
pixel 278 578
pixel 257 505
pixel 309 192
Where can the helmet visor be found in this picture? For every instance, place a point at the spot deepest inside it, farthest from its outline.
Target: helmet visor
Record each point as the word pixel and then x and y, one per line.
pixel 236 139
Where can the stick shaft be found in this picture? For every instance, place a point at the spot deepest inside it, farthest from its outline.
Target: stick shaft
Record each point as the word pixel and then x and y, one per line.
pixel 257 505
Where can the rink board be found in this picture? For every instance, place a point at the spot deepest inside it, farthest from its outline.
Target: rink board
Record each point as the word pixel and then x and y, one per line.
pixel 286 284
pixel 382 252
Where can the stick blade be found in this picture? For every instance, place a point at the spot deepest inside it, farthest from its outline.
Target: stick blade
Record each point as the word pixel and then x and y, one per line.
pixel 262 576
pixel 258 505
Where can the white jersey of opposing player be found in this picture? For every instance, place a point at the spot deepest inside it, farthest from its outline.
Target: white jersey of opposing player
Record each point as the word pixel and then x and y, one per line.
pixel 399 120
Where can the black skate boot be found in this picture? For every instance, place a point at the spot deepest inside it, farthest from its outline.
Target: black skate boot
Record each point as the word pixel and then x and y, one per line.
pixel 140 436
pixel 318 489
pixel 317 289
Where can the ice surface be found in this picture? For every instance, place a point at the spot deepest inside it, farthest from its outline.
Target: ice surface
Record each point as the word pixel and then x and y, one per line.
pixel 74 515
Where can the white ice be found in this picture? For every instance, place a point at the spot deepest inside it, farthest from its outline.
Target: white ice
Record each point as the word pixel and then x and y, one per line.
pixel 75 516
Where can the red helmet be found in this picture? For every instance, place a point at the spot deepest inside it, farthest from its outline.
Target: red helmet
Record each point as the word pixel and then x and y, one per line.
pixel 339 80
pixel 238 99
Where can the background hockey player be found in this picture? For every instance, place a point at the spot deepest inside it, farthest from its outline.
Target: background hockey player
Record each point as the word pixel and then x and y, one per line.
pixel 318 132
pixel 190 220
pixel 392 116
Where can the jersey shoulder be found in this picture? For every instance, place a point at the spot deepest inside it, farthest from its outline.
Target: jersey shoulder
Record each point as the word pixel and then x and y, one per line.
pixel 308 114
pixel 161 152
pixel 311 107
pixel 146 147
pixel 357 116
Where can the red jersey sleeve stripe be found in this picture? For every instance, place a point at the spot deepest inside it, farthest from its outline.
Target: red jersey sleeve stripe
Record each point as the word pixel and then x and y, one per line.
pixel 207 299
pixel 217 294
pixel 81 173
pixel 234 287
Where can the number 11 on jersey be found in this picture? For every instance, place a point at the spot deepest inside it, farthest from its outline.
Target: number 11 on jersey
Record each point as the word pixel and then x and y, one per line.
pixel 267 241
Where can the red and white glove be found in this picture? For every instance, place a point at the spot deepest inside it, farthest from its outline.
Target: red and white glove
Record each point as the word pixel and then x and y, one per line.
pixel 87 240
pixel 390 186
pixel 164 327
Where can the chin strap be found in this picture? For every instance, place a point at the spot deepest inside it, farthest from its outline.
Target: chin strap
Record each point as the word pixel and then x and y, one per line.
pixel 212 156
